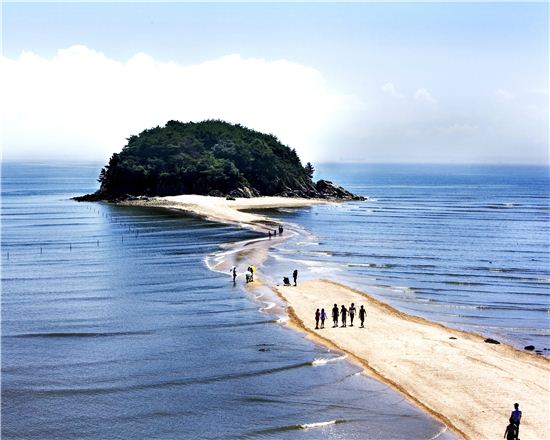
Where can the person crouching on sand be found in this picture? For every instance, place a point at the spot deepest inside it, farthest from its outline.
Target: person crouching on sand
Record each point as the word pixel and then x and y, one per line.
pixel 335 314
pixel 362 314
pixel 317 316
pixel 323 317
pixel 344 315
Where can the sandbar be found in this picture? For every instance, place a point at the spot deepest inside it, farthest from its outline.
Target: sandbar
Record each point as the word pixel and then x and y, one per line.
pixel 226 211
pixel 468 384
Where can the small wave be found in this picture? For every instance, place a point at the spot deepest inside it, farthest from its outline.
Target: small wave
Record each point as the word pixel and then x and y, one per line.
pixel 268 306
pixel 320 424
pixel 324 361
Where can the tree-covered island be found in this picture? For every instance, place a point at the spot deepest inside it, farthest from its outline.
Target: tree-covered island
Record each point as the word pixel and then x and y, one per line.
pixel 209 158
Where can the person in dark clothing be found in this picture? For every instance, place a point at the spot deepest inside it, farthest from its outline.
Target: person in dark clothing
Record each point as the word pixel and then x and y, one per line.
pixel 234 273
pixel 351 314
pixel 295 275
pixel 280 230
pixel 362 314
pixel 344 315
pixel 335 314
pixel 269 233
pixel 511 432
pixel 515 417
pixel 323 317
pixel 317 316
pixel 275 232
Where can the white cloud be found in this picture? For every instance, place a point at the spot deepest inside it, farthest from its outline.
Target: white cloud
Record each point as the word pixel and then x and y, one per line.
pixel 81 104
pixel 503 95
pixel 422 95
pixel 390 89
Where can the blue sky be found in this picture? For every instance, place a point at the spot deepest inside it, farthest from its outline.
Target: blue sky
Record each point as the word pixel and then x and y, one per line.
pixel 413 82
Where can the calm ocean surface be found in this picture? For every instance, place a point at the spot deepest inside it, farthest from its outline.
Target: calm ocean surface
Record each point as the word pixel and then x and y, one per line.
pixel 463 245
pixel 114 327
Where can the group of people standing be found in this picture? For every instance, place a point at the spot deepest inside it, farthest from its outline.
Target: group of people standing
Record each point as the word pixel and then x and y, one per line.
pixel 249 274
pixel 340 313
pixel 279 228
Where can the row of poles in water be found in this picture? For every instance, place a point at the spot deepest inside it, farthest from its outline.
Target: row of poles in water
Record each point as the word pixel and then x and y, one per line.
pixel 111 218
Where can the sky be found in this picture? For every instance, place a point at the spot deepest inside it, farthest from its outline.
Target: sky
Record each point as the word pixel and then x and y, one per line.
pixel 354 82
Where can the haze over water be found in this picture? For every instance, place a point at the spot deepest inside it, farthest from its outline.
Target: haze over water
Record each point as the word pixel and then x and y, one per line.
pixel 114 327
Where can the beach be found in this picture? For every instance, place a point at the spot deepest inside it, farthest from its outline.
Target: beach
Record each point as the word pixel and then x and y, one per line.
pixel 226 211
pixel 453 375
pixel 468 384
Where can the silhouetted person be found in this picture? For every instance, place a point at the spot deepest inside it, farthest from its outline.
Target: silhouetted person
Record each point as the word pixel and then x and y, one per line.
pixel 286 281
pixel 280 230
pixel 351 314
pixel 335 314
pixel 515 417
pixel 234 274
pixel 323 317
pixel 344 315
pixel 317 317
pixel 295 275
pixel 275 232
pixel 511 432
pixel 362 314
pixel 269 233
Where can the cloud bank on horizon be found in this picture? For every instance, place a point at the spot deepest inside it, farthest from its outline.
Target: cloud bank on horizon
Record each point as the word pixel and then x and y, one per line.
pixel 81 104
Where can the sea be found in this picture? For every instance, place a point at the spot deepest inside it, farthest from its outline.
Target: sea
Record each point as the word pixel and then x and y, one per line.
pixel 114 326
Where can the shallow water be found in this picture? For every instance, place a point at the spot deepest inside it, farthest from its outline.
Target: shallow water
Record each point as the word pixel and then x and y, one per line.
pixel 114 327
pixel 463 245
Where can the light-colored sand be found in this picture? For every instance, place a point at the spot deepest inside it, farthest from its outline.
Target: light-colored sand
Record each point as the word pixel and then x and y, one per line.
pixel 468 384
pixel 226 211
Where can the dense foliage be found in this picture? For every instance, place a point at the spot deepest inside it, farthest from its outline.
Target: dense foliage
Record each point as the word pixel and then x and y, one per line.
pixel 203 158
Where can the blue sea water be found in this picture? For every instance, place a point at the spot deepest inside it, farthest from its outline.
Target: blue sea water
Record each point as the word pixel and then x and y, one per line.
pixel 113 326
pixel 467 246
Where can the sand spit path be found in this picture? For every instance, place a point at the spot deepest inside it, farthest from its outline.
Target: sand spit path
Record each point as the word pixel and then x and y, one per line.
pixel 468 384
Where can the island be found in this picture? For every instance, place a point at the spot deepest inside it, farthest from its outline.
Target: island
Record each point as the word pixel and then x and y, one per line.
pixel 209 158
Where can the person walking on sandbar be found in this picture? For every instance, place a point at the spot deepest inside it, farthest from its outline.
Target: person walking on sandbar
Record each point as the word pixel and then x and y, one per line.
pixel 515 418
pixel 362 314
pixel 351 314
pixel 317 317
pixel 335 314
pixel 323 317
pixel 295 275
pixel 344 315
pixel 511 432
pixel 234 273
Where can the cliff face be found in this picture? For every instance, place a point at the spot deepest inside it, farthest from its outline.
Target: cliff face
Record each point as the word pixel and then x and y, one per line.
pixel 209 158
